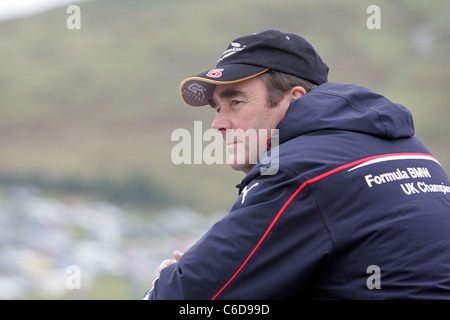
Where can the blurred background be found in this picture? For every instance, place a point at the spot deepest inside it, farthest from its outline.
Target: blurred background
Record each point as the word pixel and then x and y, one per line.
pixel 86 118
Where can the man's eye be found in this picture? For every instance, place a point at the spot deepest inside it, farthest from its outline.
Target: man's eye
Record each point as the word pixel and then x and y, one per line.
pixel 236 102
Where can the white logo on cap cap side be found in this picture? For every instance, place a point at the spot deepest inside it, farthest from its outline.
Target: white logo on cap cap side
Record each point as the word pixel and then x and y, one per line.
pixel 236 47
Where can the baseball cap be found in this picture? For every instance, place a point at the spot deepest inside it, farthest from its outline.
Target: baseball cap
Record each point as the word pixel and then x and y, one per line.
pixel 251 55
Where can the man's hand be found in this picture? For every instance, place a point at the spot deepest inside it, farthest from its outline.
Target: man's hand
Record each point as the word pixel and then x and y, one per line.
pixel 177 255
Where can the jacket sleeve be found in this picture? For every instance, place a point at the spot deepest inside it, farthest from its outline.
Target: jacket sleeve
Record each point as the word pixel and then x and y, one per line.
pixel 265 248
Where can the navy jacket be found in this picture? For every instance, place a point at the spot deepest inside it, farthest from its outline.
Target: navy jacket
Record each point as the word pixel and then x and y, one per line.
pixel 358 209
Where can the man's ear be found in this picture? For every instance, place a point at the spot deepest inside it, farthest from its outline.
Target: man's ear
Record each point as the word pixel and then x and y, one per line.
pixel 297 92
pixel 293 93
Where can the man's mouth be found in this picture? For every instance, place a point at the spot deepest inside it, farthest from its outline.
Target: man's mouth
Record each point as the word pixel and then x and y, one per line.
pixel 232 143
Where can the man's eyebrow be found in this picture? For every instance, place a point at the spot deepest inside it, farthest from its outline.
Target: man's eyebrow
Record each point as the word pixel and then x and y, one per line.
pixel 226 94
pixel 230 93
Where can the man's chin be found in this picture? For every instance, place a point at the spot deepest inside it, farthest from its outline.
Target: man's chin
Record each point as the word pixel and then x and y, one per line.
pixel 239 164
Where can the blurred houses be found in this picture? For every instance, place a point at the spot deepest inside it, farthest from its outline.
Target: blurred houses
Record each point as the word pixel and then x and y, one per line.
pixel 40 237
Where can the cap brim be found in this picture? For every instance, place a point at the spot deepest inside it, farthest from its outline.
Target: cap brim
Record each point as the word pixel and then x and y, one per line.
pixel 198 90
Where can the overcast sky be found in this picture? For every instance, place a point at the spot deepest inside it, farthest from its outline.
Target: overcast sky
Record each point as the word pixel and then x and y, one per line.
pixel 20 8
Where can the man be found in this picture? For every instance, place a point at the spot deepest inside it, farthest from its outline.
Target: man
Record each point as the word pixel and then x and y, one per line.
pixel 356 207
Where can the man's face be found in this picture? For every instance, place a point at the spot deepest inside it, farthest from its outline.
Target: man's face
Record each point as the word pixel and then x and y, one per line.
pixel 246 120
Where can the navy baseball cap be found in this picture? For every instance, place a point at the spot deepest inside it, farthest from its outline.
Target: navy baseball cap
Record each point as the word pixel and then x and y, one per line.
pixel 251 55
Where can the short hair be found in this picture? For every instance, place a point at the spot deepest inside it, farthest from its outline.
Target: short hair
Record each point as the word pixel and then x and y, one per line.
pixel 278 83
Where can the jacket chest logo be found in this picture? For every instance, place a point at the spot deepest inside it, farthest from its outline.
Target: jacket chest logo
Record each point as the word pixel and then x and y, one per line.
pixel 246 190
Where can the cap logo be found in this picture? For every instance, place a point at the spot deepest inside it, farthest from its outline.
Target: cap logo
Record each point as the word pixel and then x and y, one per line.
pixel 196 91
pixel 232 49
pixel 215 73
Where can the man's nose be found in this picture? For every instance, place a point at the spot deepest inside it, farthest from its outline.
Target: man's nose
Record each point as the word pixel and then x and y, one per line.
pixel 221 123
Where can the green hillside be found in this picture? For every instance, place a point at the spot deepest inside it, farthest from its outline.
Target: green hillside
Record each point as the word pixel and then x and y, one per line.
pixel 92 110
